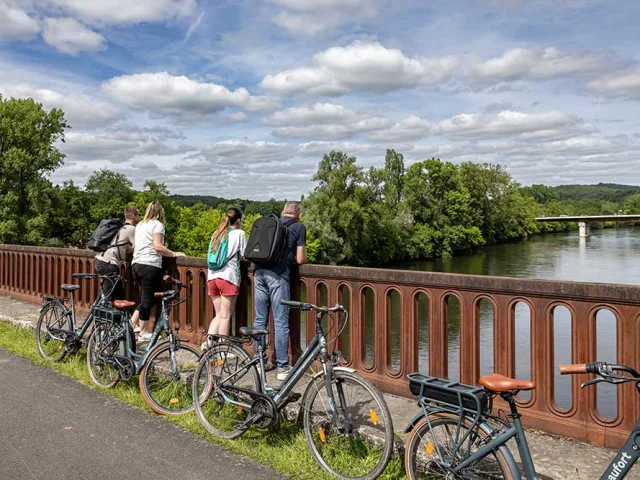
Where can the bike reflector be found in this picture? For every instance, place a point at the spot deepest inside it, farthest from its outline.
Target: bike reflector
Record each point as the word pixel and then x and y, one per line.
pixel 374 416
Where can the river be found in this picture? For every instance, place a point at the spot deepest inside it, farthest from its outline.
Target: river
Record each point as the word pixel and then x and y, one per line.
pixel 608 256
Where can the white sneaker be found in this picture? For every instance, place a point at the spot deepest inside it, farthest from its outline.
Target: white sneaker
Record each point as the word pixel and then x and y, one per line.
pixel 145 337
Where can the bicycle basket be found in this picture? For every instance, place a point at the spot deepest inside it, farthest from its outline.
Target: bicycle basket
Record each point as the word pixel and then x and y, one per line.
pixel 106 315
pixel 442 391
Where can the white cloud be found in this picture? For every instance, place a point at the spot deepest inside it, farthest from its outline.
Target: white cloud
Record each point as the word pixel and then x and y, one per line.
pixel 116 146
pixel 310 17
pixel 323 121
pixel 624 84
pixel 122 12
pixel 16 24
pixel 81 111
pixel 70 36
pixel 411 128
pixel 162 93
pixel 360 66
pixel 509 123
pixel 538 64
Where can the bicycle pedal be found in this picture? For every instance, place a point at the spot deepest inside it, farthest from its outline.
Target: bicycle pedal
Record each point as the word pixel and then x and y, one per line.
pixel 293 397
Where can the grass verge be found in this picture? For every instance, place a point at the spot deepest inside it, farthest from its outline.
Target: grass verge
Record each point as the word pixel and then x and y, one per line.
pixel 285 449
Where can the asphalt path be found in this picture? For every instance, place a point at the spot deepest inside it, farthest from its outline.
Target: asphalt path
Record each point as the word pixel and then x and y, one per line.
pixel 53 427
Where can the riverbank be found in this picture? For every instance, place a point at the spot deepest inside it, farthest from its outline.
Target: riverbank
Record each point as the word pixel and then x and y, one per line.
pixel 554 457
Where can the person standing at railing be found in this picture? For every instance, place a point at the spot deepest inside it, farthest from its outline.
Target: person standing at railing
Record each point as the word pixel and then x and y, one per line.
pixel 223 280
pixel 271 284
pixel 147 264
pixel 108 263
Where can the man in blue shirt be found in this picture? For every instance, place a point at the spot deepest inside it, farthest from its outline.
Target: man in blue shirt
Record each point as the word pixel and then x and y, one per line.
pixel 271 284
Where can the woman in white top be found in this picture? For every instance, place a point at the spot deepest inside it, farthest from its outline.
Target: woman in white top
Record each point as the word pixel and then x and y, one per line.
pixel 223 284
pixel 147 263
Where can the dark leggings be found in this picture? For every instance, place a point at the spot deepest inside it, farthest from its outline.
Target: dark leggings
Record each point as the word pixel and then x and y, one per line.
pixel 110 291
pixel 149 279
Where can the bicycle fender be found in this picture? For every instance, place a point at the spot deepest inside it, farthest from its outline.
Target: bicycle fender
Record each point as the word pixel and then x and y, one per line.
pixel 335 369
pixel 413 422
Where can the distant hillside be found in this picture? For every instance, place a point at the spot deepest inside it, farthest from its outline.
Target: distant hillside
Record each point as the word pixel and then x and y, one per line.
pixel 610 192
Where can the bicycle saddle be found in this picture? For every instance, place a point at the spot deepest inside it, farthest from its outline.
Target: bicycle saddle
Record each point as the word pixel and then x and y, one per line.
pixel 69 287
pixel 499 383
pixel 253 332
pixel 122 304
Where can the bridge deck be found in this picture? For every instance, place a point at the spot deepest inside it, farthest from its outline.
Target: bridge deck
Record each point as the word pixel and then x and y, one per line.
pixel 591 218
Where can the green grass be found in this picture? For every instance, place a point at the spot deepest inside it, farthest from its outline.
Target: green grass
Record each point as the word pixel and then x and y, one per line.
pixel 284 449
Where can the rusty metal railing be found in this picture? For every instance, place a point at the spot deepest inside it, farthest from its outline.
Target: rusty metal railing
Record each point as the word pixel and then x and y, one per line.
pixel 390 310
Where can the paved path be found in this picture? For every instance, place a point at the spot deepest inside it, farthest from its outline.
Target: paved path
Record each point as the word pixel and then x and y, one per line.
pixel 554 457
pixel 98 437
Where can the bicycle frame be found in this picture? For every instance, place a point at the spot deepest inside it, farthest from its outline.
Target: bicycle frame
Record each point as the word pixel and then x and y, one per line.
pixel 625 458
pixel 317 346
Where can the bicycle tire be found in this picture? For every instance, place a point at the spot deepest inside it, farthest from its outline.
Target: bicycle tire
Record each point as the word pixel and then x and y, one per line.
pixel 358 453
pixel 159 388
pixel 493 466
pixel 101 373
pixel 53 315
pixel 219 417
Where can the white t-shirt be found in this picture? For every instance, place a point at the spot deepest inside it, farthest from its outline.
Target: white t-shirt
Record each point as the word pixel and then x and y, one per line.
pixel 231 270
pixel 143 251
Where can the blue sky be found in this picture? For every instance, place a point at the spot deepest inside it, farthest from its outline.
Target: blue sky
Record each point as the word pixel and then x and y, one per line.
pixel 242 98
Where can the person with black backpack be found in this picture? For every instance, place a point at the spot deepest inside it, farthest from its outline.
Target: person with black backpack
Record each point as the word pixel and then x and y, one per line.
pixel 113 252
pixel 274 246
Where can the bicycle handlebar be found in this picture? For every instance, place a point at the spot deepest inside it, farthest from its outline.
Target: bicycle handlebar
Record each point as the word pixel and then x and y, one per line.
pixel 175 281
pixel 310 306
pixel 573 369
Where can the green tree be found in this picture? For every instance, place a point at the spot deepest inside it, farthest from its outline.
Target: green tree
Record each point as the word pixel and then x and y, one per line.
pixel 394 177
pixel 632 204
pixel 28 154
pixel 69 223
pixel 110 193
pixel 160 193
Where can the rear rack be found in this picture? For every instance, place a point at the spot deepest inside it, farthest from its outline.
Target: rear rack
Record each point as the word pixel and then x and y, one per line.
pixel 453 397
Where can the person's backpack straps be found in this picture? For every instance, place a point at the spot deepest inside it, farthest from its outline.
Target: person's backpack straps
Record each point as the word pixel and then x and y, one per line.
pixel 267 241
pixel 218 258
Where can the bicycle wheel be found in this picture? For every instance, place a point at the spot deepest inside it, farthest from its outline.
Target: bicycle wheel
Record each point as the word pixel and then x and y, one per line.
pixel 102 346
pixel 360 447
pixel 223 367
pixel 422 460
pixel 166 378
pixel 50 341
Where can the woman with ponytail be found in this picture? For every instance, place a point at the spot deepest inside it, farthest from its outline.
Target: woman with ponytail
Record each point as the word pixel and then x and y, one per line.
pixel 223 282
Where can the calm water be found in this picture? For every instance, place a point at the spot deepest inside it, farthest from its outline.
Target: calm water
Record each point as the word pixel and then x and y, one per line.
pixel 608 256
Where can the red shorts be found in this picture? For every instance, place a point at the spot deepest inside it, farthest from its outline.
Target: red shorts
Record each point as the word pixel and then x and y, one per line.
pixel 219 286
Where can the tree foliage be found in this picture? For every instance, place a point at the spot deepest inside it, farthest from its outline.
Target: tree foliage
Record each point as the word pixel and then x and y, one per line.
pixel 28 154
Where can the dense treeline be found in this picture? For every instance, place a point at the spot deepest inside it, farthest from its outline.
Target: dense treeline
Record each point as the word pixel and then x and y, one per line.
pixel 355 216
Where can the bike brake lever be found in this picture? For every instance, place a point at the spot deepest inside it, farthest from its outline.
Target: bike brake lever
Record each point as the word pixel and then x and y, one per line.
pixel 592 382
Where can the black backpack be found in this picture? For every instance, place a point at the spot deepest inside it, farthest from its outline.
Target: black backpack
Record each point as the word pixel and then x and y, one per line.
pixel 104 237
pixel 267 241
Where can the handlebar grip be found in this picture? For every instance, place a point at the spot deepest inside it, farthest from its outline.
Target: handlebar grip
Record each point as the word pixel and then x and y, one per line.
pixel 175 281
pixel 573 369
pixel 291 303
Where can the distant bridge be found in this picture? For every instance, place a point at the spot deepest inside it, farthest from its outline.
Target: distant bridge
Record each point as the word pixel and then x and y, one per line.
pixel 584 221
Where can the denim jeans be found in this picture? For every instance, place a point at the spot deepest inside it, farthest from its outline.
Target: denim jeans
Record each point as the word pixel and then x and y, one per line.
pixel 269 289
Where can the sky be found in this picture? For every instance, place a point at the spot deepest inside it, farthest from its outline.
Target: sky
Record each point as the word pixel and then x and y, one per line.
pixel 241 98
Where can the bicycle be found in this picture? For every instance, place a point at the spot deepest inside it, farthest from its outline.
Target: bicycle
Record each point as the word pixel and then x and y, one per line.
pixel 346 421
pixel 165 369
pixel 455 435
pixel 56 331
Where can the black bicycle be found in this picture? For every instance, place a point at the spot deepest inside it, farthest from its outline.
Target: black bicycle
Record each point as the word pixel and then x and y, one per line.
pixel 165 368
pixel 346 420
pixel 56 330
